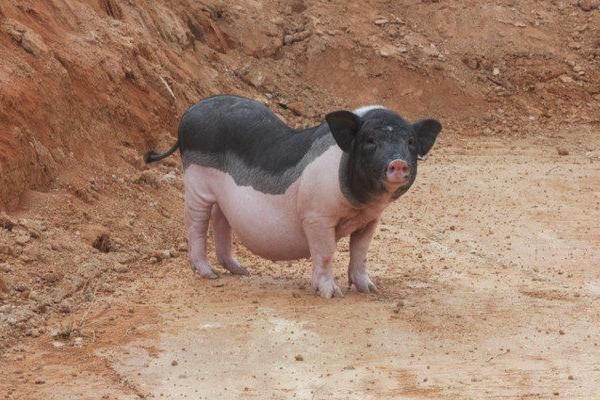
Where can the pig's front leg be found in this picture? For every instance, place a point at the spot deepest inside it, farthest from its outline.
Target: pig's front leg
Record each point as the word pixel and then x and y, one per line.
pixel 320 233
pixel 359 246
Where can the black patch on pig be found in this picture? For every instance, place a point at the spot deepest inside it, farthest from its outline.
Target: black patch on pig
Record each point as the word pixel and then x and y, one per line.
pixel 243 138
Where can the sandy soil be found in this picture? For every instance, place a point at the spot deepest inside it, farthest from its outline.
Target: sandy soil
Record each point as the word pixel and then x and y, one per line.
pixel 487 268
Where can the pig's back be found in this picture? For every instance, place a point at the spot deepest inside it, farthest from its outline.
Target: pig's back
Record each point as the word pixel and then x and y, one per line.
pixel 244 139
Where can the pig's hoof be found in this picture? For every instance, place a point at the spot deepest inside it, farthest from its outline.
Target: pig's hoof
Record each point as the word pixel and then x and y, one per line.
pixel 206 271
pixel 327 288
pixel 234 267
pixel 363 283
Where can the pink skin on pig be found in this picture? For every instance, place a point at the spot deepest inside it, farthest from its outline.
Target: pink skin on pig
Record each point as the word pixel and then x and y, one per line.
pixel 306 221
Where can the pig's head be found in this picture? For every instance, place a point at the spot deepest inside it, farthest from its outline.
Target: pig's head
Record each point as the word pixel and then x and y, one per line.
pixel 381 150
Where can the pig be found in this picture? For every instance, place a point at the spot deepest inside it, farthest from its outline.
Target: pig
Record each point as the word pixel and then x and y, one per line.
pixel 291 194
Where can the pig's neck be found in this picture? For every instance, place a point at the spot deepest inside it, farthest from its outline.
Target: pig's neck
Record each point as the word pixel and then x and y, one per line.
pixel 357 187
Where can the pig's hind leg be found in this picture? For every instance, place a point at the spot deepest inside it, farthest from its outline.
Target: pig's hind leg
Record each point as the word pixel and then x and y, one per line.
pixel 222 231
pixel 198 205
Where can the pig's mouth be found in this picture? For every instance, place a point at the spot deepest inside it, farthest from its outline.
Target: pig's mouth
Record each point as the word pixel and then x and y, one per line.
pixel 394 183
pixel 398 181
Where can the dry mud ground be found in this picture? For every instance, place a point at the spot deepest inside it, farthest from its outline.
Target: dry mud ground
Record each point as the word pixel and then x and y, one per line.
pixel 489 288
pixel 488 268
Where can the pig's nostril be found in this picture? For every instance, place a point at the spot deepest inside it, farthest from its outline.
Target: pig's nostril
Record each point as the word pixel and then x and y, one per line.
pixel 398 166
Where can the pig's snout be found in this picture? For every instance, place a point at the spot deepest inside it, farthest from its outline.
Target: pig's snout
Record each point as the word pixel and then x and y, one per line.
pixel 398 171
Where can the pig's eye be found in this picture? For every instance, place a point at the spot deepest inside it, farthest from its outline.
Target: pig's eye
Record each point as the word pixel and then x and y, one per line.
pixel 411 141
pixel 370 140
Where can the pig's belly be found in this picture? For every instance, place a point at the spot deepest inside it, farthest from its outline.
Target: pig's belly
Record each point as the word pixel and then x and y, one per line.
pixel 268 225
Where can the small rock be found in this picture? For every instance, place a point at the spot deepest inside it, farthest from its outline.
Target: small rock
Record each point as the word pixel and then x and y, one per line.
pixel 125 258
pixel 496 71
pixel 254 77
pixel 296 37
pixel 381 21
pixel 22 238
pixel 121 269
pixel 166 254
pixel 594 155
pixel 78 342
pixel 562 151
pixel 52 278
pixel 129 73
pixel 299 358
pixel 170 177
pixel 21 287
pixel 89 296
pixel 153 260
pixel 431 50
pixel 387 50
pixel 108 288
pixel 39 381
pixel 174 363
pixel 566 79
pixel 589 5
pixel 147 178
pixel 570 377
pixel 29 40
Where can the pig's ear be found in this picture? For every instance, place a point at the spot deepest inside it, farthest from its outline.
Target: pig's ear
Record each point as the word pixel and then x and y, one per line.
pixel 427 131
pixel 344 126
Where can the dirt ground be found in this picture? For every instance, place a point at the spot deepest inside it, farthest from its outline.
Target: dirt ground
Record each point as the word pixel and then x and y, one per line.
pixel 487 269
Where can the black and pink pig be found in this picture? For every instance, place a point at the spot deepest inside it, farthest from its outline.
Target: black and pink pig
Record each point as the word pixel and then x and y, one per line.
pixel 291 194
